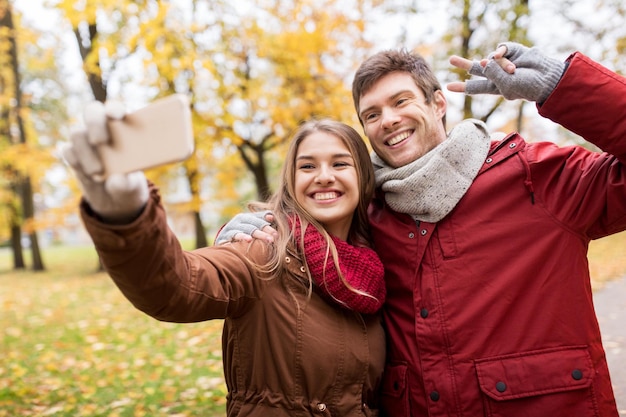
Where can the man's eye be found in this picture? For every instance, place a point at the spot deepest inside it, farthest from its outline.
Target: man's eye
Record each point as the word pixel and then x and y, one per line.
pixel 370 117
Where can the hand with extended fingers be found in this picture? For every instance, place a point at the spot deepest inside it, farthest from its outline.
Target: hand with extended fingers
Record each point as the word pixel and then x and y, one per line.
pixel 513 71
pixel 120 198
pixel 248 226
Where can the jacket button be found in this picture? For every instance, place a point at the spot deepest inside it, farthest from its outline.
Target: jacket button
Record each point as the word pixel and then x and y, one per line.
pixel 434 396
pixel 512 145
pixel 321 407
pixel 577 374
pixel 287 259
pixel 501 386
pixel 423 232
pixel 423 313
pixel 302 269
pixel 411 235
pixel 489 160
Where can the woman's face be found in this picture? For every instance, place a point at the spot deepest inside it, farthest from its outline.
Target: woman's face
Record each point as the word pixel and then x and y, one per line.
pixel 326 182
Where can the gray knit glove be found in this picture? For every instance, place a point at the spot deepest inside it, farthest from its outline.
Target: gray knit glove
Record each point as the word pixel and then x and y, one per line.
pixel 118 199
pixel 245 223
pixel 534 79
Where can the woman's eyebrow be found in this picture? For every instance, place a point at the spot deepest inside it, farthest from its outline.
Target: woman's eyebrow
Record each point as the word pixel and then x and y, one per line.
pixel 337 155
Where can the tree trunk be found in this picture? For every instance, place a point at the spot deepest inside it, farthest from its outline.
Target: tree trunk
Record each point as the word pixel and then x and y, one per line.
pixel 85 47
pixel 192 180
pixel 466 36
pixel 201 240
pixel 23 186
pixel 520 116
pixel 97 85
pixel 16 246
pixel 5 133
pixel 264 191
pixel 256 165
pixel 29 214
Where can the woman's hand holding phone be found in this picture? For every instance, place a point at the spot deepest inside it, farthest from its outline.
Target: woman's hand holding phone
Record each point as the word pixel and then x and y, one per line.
pixel 118 198
pixel 110 153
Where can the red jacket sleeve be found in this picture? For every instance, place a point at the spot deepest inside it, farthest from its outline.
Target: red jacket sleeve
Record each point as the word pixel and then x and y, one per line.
pixel 590 100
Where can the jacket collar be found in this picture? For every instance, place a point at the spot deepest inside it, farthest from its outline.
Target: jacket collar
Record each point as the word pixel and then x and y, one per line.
pixel 502 150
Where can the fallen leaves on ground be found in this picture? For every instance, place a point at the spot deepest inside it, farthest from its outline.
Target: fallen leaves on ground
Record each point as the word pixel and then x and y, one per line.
pixel 76 347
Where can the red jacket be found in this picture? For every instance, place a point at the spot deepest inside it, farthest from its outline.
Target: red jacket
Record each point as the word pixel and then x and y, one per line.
pixel 489 311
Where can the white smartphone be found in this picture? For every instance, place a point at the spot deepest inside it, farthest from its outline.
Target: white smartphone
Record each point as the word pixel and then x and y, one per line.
pixel 160 133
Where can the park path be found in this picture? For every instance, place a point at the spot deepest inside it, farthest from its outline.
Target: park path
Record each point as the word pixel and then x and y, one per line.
pixel 610 303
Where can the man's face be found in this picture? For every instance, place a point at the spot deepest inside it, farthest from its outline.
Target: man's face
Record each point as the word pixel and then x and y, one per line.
pixel 399 123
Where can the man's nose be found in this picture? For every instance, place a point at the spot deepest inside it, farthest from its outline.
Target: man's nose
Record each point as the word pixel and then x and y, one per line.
pixel 388 117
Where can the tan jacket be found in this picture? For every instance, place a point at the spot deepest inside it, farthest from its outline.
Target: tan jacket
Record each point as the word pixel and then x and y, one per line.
pixel 283 354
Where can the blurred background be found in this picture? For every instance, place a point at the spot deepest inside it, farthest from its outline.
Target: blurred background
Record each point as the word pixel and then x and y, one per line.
pixel 253 71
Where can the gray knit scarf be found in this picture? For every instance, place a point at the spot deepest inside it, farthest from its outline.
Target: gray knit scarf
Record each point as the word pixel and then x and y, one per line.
pixel 430 187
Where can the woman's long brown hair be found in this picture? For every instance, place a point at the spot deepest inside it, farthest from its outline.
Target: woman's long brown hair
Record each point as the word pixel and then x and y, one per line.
pixel 284 205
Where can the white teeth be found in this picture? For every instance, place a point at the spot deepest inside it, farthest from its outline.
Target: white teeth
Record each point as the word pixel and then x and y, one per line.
pixel 325 196
pixel 399 138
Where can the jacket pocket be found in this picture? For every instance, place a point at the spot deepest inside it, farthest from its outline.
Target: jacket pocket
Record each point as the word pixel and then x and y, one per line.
pixel 550 382
pixel 394 393
pixel 446 237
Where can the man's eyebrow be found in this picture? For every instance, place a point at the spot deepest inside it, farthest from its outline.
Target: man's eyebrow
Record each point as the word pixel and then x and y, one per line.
pixel 400 93
pixel 391 97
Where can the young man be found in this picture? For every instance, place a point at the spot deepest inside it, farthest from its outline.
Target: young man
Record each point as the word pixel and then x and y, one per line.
pixel 489 306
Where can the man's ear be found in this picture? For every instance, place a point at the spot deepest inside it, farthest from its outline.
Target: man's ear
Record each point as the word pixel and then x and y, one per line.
pixel 440 104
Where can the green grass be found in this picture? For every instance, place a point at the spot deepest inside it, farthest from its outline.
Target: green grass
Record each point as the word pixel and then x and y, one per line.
pixel 72 345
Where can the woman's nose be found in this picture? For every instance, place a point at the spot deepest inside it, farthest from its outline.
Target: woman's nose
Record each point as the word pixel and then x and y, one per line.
pixel 325 175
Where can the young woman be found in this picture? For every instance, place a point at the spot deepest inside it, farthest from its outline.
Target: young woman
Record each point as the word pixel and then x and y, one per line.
pixel 301 334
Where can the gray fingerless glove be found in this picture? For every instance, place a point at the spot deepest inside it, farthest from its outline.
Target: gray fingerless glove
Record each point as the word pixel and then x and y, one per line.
pixel 534 79
pixel 245 223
